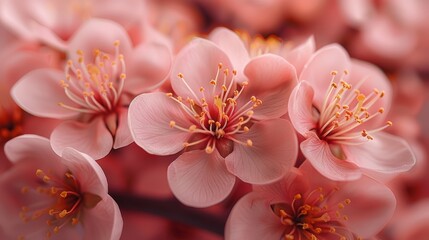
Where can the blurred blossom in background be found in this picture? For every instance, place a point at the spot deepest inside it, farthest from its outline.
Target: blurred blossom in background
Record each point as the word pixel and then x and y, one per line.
pixel 203 119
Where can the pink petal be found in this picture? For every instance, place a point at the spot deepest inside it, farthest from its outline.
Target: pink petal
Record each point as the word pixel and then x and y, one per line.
pixel 39 93
pixel 252 218
pixel 104 221
pixel 199 179
pixel 300 55
pixel 27 147
pixel 91 176
pixel 232 45
pixel 91 138
pixel 273 93
pixel 198 62
pixel 47 36
pixel 372 205
pixel 301 110
pixel 149 66
pixel 123 134
pixel 375 79
pixel 273 153
pixel 318 69
pixel 320 156
pixel 386 154
pixel 149 117
pixel 99 34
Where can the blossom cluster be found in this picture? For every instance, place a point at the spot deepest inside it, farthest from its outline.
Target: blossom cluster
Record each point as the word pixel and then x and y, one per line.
pixel 191 119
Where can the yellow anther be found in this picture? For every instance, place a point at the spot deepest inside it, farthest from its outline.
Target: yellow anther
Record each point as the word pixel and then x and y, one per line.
pixel 245 129
pixel 389 123
pixel 116 43
pixel 213 82
pixel 63 194
pixel 297 196
pixel 79 52
pixel 201 89
pixel 209 150
pixel 347 201
pixel 74 221
pixel 123 76
pixel 249 142
pixel 192 128
pixel 63 213
pixel 180 75
pixel 220 65
pixel 56 229
pixel 382 94
pixel 172 124
pixel 381 110
pixel 340 205
pixel 346 72
pixel 333 73
pixel 360 97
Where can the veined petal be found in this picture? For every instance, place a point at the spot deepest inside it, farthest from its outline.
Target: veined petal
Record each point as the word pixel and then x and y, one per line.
pixel 299 55
pixel 317 71
pixel 271 79
pixel 123 134
pixel 232 45
pixel 39 92
pixel 91 138
pixel 252 218
pixel 91 176
pixel 320 156
pixel 372 205
pixel 149 117
pixel 273 152
pixel 149 65
pixel 99 34
pixel 104 221
pixel 199 63
pixel 386 153
pixel 199 179
pixel 301 110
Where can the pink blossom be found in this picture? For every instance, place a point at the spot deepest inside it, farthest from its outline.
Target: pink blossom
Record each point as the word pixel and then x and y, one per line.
pixel 48 196
pixel 306 205
pixel 227 127
pixel 54 22
pixel 101 77
pixel 339 106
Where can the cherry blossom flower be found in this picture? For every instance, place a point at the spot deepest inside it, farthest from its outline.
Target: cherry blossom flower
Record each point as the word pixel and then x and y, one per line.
pixel 306 205
pixel 45 196
pixel 223 126
pixel 100 79
pixel 338 106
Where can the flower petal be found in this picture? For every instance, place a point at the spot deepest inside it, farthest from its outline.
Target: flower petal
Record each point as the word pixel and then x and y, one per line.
pixel 317 71
pixel 91 138
pixel 372 205
pixel 300 55
pixel 199 63
pixel 273 93
pixel 30 146
pixel 104 221
pixel 149 117
pixel 320 156
pixel 273 152
pixel 123 134
pixel 252 218
pixel 232 45
pixel 199 179
pixel 99 34
pixel 301 108
pixel 39 93
pixel 149 65
pixel 373 78
pixel 83 167
pixel 386 153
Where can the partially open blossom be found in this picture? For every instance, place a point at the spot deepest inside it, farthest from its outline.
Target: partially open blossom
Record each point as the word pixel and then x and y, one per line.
pixel 306 205
pixel 46 196
pixel 339 106
pixel 224 126
pixel 100 79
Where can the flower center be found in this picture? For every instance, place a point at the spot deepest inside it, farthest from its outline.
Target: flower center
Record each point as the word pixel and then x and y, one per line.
pixel 313 217
pixel 10 123
pixel 95 87
pixel 345 111
pixel 61 204
pixel 219 118
pixel 259 45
